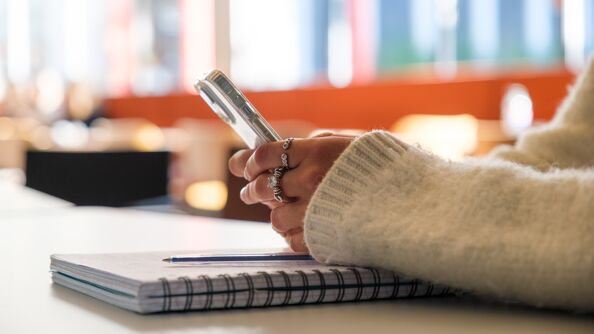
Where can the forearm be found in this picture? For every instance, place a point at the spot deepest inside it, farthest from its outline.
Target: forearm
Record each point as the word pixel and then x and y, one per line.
pixel 491 227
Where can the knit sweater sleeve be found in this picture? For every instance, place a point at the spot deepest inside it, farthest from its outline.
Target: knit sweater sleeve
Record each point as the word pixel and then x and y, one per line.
pixel 487 225
pixel 565 142
pixel 492 227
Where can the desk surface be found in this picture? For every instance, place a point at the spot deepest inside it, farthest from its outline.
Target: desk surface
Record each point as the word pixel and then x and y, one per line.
pixel 29 303
pixel 16 199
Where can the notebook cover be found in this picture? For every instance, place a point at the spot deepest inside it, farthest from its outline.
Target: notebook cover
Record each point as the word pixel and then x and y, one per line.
pixel 143 283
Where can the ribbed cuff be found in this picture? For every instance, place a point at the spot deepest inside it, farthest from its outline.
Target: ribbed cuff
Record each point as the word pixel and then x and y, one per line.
pixel 352 174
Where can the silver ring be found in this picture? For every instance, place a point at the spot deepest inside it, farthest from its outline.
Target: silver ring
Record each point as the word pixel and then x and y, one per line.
pixel 287 143
pixel 285 155
pixel 278 196
pixel 285 160
pixel 279 172
pixel 274 181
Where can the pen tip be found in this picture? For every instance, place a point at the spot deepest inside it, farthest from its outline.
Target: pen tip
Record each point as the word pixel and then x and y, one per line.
pixel 166 260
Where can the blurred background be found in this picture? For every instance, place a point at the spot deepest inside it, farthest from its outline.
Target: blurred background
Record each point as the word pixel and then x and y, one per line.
pixel 95 93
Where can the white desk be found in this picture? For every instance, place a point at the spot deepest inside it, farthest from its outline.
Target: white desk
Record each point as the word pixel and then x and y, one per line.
pixel 29 303
pixel 17 199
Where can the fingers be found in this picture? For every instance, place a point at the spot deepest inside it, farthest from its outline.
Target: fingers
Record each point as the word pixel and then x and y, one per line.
pixel 272 204
pixel 330 134
pixel 296 241
pixel 258 191
pixel 296 183
pixel 322 134
pixel 251 163
pixel 268 156
pixel 288 217
pixel 310 159
pixel 238 160
pixel 301 182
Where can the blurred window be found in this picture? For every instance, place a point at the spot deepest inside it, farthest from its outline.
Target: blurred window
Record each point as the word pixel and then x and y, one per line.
pixel 278 44
pixel 155 26
pixel 2 51
pixel 266 43
pixel 406 33
pixel 154 47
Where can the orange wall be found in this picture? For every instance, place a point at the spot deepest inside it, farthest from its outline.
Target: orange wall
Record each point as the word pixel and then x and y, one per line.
pixel 376 105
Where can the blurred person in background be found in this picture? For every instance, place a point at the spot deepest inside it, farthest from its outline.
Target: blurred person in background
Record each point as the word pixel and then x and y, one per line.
pixel 19 100
pixel 82 104
pixel 518 225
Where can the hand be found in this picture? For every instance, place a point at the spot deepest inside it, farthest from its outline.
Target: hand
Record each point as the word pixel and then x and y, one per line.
pixel 309 161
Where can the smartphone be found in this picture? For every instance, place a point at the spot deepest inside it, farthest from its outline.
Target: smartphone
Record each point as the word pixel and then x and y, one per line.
pixel 233 108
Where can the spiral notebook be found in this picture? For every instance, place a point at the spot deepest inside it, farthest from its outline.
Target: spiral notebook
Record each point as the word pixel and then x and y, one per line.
pixel 144 283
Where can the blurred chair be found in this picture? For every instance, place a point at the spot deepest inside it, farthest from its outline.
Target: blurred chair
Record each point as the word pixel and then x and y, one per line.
pixel 235 207
pixel 449 136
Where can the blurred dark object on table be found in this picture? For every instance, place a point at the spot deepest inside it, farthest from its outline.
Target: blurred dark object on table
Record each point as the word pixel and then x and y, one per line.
pixel 98 178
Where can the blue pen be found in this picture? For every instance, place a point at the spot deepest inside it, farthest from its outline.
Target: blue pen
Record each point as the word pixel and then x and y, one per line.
pixel 239 257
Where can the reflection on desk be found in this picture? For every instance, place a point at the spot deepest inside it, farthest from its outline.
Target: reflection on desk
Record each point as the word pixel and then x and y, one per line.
pixel 31 304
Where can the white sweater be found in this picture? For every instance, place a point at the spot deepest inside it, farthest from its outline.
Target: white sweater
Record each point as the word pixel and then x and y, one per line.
pixel 518 225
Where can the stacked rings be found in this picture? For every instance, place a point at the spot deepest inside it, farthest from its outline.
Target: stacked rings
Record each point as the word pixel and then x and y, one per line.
pixel 285 155
pixel 274 180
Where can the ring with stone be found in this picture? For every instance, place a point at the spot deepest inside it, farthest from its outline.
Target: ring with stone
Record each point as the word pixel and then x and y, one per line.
pixel 273 181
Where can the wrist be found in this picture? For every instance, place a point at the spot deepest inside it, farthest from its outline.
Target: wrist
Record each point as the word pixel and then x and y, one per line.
pixel 355 173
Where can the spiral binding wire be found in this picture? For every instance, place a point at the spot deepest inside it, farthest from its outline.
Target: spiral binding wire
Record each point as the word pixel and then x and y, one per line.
pixel 288 288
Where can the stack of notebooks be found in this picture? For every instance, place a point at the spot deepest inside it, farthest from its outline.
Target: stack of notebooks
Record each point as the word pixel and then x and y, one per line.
pixel 145 283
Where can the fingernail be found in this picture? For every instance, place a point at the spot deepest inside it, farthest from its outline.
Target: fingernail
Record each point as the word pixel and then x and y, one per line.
pixel 245 175
pixel 242 193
